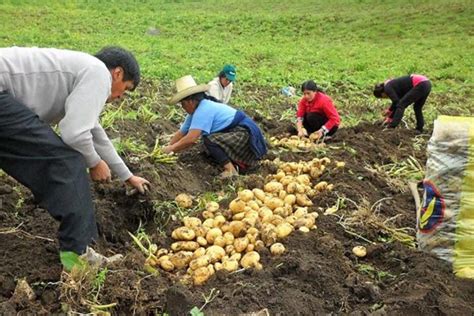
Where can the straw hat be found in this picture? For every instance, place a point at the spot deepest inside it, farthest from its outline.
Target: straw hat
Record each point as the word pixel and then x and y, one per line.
pixel 186 86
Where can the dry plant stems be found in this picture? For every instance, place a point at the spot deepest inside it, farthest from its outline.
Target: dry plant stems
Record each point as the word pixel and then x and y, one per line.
pixel 18 231
pixel 366 215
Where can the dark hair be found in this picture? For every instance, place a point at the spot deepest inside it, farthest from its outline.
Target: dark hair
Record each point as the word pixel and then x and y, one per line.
pixel 114 57
pixel 221 74
pixel 379 89
pixel 310 85
pixel 201 96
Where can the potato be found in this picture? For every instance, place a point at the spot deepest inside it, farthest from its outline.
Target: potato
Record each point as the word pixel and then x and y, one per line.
pixel 208 223
pixel 239 216
pixel 292 187
pixel 250 248
pixel 259 194
pixel 245 195
pixel 282 194
pixel 219 220
pixel 181 259
pixel 340 164
pixel 291 219
pixel 277 249
pixel 191 222
pixel 303 200
pixel 201 251
pixel 307 221
pixel 314 214
pixel 253 205
pixel 265 214
pixel 167 265
pixel 211 269
pixel 290 199
pixel 207 214
pixel 303 179
pixel 184 245
pixel 311 193
pixel 237 206
pixel 212 206
pixel 212 234
pixel 279 175
pixel 259 245
pixel 250 260
pixel 300 212
pixel 321 186
pixel 330 187
pixel 304 229
pixel 236 256
pixel 201 275
pixel 240 244
pixel 230 265
pixel 237 228
pixel 277 220
pixel 183 233
pixel 202 261
pixel 200 231
pixel 269 234
pixel 184 200
pixel 215 253
pixel 225 227
pixel 300 188
pixel 161 252
pixel 252 231
pixel 274 202
pixel 273 187
pixel 287 180
pixel 251 238
pixel 283 230
pixel 315 172
pixel 229 249
pixel 359 251
pixel 229 238
pixel 250 221
pixel 325 161
pixel 220 241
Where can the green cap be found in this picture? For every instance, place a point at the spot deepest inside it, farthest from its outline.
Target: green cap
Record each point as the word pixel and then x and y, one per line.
pixel 229 72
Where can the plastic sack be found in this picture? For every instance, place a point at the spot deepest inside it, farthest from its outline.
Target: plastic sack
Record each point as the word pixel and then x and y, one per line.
pixel 446 218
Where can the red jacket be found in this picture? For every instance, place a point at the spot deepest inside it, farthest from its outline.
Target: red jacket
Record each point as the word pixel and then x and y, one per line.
pixel 321 104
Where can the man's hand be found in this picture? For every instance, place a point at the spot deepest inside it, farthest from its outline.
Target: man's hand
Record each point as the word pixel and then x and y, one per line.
pixel 302 132
pixel 100 172
pixel 316 135
pixel 139 184
pixel 168 149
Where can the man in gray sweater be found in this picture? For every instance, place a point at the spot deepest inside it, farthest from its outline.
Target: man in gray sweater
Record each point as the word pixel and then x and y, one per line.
pixel 39 87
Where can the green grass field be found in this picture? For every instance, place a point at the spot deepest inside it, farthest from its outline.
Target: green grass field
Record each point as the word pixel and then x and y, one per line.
pixel 346 46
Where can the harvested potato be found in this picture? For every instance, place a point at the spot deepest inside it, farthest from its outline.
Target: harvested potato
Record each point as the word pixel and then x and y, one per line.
pixel 212 206
pixel 321 186
pixel 315 172
pixel 161 252
pixel 184 245
pixel 225 227
pixel 183 233
pixel 208 223
pixel 201 275
pixel 240 244
pixel 307 221
pixel 181 259
pixel 290 199
pixel 219 220
pixel 300 212
pixel 311 193
pixel 279 175
pixel 239 216
pixel 292 187
pixel 303 179
pixel 237 228
pixel 314 214
pixel 277 220
pixel 287 180
pixel 359 251
pixel 215 253
pixel 250 248
pixel 229 238
pixel 274 202
pixel 201 251
pixel 265 214
pixel 259 194
pixel 250 260
pixel 269 234
pixel 236 256
pixel 277 249
pixel 230 265
pixel 218 266
pixel 282 194
pixel 273 187
pixel 330 187
pixel 167 265
pixel 340 164
pixel 304 229
pixel 252 231
pixel 246 195
pixel 191 222
pixel 325 161
pixel 237 206
pixel 212 234
pixel 207 214
pixel 220 241
pixel 211 269
pixel 250 221
pixel 251 238
pixel 291 219
pixel 259 245
pixel 199 262
pixel 184 200
pixel 229 249
pixel 303 200
pixel 283 230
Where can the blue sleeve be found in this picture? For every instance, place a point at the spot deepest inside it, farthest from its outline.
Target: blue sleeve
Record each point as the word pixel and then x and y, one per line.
pixel 202 120
pixel 185 126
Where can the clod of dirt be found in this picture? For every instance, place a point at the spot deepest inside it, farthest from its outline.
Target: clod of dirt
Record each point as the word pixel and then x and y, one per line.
pixel 23 293
pixel 5 189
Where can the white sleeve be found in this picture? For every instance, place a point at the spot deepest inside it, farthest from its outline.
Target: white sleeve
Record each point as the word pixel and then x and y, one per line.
pixel 228 93
pixel 107 152
pixel 214 90
pixel 81 111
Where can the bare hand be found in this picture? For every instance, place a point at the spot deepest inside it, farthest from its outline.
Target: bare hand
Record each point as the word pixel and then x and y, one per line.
pixel 302 133
pixel 138 183
pixel 100 172
pixel 168 149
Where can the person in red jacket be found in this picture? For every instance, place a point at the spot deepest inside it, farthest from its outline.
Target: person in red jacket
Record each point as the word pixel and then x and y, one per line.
pixel 404 91
pixel 316 112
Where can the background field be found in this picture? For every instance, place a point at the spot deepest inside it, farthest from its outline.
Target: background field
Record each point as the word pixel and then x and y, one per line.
pixel 346 46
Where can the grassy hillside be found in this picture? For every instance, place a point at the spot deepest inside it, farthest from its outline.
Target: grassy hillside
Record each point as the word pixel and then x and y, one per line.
pixel 346 46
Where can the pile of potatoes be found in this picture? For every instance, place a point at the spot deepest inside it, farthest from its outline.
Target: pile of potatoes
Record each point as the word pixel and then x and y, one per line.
pixel 231 239
pixel 295 143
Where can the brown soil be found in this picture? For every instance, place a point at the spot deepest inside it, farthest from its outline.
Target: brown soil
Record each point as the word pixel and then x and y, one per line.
pixel 317 275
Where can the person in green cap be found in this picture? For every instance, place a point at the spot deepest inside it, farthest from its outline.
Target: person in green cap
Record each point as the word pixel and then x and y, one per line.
pixel 221 86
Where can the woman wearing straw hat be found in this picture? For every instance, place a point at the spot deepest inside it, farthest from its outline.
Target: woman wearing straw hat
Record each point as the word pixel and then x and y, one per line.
pixel 231 137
